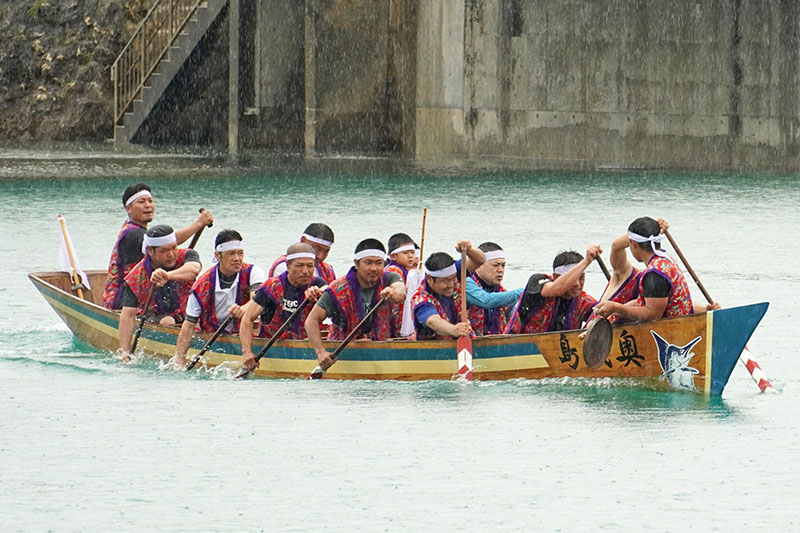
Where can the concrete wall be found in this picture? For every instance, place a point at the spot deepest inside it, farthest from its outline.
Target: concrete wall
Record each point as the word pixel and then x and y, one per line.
pixel 637 83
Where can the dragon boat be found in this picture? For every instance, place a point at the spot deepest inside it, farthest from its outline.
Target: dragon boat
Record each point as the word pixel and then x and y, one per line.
pixel 696 352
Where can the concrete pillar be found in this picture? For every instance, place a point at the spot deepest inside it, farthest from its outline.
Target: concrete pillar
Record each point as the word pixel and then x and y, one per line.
pixel 311 95
pixel 233 77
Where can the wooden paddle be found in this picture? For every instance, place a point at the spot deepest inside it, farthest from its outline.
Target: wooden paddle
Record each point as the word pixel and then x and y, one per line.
pixel 464 344
pixel 142 318
pixel 318 372
pixel 216 334
pixel 199 232
pixel 244 373
pixel 748 360
pixel 422 240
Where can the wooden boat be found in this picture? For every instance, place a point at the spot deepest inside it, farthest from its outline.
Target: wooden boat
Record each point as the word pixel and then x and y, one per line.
pixel 696 352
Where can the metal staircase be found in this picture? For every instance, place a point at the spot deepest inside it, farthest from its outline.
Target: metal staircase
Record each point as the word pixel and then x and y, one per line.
pixel 155 53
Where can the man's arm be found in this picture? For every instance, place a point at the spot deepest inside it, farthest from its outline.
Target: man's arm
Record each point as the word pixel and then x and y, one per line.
pixel 250 312
pixel 396 292
pixel 315 317
pixel 443 327
pixel 653 309
pixel 187 272
pixel 126 320
pixel 620 263
pixel 183 234
pixel 182 345
pixel 562 285
pixel 490 300
pixel 475 257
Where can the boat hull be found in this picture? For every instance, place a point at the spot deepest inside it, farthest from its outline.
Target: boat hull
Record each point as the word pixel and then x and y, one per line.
pixel 696 352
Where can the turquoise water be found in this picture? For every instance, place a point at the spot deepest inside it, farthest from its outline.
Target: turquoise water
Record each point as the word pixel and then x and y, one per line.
pixel 87 443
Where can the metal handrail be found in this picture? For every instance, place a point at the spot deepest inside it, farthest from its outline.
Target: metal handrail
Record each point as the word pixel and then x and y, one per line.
pixel 148 44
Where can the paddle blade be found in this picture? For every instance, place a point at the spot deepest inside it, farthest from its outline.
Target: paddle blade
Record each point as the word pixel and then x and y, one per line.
pixel 597 343
pixel 317 373
pixel 464 347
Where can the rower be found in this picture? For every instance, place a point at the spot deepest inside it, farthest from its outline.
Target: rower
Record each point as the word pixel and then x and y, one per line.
pixel 166 267
pixel 320 237
pixel 140 206
pixel 349 298
pixel 624 283
pixel 437 301
pixel 487 300
pixel 557 302
pixel 284 293
pixel 220 291
pixel 663 291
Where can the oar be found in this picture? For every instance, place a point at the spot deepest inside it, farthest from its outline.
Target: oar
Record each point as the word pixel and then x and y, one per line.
pixel 746 359
pixel 152 290
pixel 464 343
pixel 422 240
pixel 318 372
pixel 216 334
pixel 199 232
pixel 603 267
pixel 244 373
pixel 142 318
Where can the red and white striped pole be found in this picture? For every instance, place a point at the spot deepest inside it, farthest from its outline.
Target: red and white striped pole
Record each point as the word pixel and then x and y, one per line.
pixel 755 371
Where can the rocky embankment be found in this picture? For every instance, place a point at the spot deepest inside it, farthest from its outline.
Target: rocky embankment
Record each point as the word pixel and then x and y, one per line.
pixel 55 60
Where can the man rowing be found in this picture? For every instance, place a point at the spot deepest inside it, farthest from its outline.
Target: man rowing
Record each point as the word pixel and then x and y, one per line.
pixel 487 300
pixel 437 301
pixel 280 296
pixel 220 291
pixel 140 206
pixel 663 291
pixel 169 271
pixel 557 302
pixel 320 238
pixel 349 298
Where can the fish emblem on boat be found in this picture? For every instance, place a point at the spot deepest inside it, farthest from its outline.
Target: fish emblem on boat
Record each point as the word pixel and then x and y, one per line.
pixel 674 361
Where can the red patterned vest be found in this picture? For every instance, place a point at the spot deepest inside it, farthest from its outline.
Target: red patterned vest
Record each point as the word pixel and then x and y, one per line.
pixel 204 290
pixel 397 269
pixel 347 298
pixel 543 317
pixel 274 289
pixel 138 279
pixel 112 292
pixel 424 295
pixel 679 302
pixel 486 321
pixel 628 291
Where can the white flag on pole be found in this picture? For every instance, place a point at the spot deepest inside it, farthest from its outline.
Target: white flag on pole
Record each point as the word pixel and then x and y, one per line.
pixel 65 251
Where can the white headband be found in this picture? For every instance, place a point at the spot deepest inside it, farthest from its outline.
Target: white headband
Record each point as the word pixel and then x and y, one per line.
pixel 653 239
pixel 158 241
pixel 563 269
pixel 138 195
pixel 416 252
pixel 300 255
pixel 229 245
pixel 404 248
pixel 316 240
pixel 449 271
pixel 495 254
pixel 369 253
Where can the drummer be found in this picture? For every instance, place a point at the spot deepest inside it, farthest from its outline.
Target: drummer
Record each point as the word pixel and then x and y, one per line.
pixel 127 251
